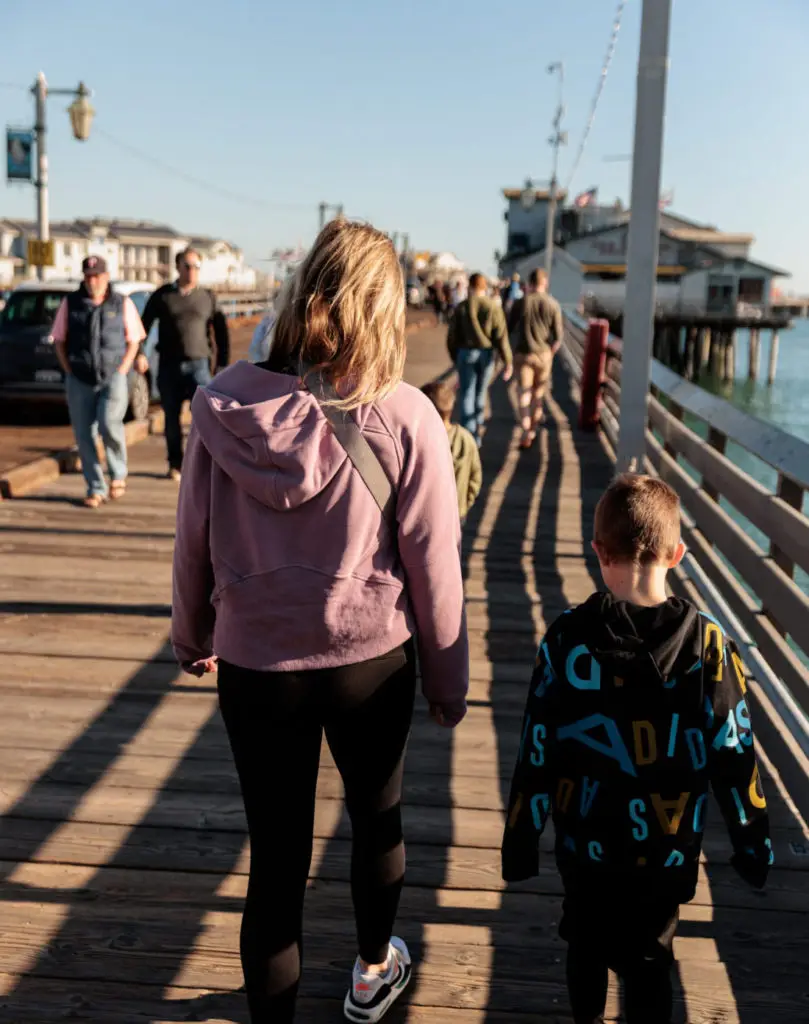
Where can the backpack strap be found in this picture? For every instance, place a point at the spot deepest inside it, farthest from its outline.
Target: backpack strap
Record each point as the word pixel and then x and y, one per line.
pixel 357 448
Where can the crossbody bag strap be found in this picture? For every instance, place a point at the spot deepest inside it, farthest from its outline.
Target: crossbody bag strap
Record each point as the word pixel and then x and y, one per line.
pixel 357 448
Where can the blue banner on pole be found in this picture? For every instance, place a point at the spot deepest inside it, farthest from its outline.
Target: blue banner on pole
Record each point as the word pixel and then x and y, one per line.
pixel 19 154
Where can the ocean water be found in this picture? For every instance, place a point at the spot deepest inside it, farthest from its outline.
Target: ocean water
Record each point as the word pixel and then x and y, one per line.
pixel 784 404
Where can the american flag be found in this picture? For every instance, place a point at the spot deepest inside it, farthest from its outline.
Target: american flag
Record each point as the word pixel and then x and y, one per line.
pixel 666 198
pixel 585 199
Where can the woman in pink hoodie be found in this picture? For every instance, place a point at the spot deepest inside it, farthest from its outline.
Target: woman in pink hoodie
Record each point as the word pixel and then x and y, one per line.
pixel 314 603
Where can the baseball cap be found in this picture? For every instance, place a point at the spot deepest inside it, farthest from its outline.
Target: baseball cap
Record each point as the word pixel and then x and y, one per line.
pixel 94 265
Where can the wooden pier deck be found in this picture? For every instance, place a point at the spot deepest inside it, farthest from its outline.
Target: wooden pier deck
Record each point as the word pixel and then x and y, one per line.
pixel 122 845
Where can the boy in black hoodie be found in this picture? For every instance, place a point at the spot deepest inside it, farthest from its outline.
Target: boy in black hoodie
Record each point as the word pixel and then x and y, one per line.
pixel 636 708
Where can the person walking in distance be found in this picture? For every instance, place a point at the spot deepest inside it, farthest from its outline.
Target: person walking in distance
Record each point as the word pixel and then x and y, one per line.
pixel 536 328
pixel 476 334
pixel 97 334
pixel 317 549
pixel 190 327
pixel 465 453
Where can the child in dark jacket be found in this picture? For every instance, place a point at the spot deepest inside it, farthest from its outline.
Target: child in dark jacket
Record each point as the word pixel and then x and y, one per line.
pixel 636 709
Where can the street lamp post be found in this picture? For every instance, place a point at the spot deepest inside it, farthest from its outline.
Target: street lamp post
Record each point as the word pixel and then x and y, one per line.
pixel 644 231
pixel 81 118
pixel 323 208
pixel 557 140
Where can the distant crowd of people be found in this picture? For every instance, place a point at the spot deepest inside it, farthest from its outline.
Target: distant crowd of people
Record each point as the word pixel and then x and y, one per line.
pixel 317 569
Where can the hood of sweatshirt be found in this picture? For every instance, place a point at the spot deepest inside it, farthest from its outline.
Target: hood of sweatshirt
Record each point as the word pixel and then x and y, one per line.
pixel 638 642
pixel 268 434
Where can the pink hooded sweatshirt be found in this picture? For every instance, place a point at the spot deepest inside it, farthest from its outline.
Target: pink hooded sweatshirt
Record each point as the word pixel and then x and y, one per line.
pixel 282 561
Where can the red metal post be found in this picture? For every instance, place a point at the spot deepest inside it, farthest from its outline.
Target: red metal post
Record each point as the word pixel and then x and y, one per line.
pixel 592 374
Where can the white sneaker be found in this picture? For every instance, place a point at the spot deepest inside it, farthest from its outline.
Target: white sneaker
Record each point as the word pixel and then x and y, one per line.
pixel 372 995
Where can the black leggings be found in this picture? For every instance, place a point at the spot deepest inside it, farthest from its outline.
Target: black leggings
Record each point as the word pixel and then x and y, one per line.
pixel 275 722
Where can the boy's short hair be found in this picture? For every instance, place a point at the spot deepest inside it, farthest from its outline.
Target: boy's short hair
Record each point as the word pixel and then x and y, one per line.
pixel 638 520
pixel 442 394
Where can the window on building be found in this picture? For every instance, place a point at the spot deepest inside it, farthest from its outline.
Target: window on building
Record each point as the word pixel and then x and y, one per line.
pixel 751 289
pixel 68 249
pixel 519 241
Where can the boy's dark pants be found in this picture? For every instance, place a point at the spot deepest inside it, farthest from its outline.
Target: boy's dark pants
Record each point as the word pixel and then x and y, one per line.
pixel 628 931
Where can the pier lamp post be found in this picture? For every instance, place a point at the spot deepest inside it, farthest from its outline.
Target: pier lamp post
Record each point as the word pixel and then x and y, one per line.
pixel 81 118
pixel 323 208
pixel 556 141
pixel 644 231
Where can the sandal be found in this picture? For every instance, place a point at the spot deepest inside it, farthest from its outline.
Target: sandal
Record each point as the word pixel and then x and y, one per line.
pixel 117 489
pixel 93 501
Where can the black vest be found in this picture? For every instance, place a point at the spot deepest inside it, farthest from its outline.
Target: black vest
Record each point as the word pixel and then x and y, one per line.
pixel 96 339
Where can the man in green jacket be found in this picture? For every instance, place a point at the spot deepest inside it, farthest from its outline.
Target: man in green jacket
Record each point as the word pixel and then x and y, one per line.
pixel 477 333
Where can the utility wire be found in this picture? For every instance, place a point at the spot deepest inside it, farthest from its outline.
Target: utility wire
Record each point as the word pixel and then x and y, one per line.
pixel 208 186
pixel 616 29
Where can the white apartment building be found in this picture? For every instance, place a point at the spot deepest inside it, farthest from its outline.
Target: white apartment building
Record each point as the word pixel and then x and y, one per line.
pixel 133 250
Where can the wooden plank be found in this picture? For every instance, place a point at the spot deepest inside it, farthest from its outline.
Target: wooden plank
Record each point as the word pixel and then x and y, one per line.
pixel 105 1002
pixel 773 515
pixel 450 974
pixel 38 882
pixel 785 600
pixel 785 452
pixel 213 841
pixel 774 648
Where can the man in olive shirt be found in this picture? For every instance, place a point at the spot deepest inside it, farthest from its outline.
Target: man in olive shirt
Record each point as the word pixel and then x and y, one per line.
pixel 536 328
pixel 477 332
pixel 188 318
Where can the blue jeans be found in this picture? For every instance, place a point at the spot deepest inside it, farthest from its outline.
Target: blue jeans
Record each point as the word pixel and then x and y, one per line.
pixel 177 383
pixel 101 409
pixel 475 368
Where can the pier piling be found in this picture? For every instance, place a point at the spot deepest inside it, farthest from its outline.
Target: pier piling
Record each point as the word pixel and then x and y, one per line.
pixel 730 356
pixel 754 361
pixel 774 340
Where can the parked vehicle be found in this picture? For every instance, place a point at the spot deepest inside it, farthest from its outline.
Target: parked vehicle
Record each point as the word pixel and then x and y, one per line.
pixel 415 293
pixel 29 369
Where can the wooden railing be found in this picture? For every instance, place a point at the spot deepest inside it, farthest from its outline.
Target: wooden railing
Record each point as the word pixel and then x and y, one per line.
pixel 245 304
pixel 756 582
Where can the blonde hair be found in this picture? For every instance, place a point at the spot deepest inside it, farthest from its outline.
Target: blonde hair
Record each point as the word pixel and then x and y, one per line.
pixel 344 314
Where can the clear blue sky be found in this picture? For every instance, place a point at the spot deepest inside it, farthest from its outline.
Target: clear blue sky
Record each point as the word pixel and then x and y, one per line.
pixel 413 115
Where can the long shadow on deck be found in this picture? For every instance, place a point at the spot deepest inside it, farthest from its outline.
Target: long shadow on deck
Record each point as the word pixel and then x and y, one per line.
pixel 510 643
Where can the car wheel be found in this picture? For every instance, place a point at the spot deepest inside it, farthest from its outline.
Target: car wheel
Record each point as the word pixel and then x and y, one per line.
pixel 139 397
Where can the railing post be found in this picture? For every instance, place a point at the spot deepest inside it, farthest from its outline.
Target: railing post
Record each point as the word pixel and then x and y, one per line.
pixel 678 413
pixel 592 374
pixel 791 493
pixel 719 441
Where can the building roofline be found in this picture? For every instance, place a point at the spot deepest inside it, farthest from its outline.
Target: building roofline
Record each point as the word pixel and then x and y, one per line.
pixel 709 235
pixel 539 193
